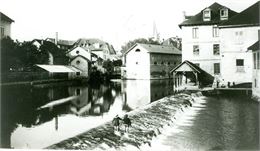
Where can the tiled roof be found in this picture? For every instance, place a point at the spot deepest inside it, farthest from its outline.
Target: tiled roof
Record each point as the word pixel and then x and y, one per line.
pixel 160 49
pixel 215 16
pixel 255 46
pixel 5 18
pixel 90 41
pixel 61 42
pixel 248 17
pixel 157 49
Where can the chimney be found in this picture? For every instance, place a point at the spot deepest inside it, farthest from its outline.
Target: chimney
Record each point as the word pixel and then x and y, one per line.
pixel 56 38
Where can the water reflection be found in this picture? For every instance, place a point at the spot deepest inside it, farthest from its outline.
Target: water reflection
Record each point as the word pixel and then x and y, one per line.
pixel 23 125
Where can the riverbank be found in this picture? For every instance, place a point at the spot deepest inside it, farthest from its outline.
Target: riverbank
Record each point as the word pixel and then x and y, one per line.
pixel 147 122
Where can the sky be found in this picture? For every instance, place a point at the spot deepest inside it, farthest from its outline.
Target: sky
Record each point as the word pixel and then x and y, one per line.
pixel 114 21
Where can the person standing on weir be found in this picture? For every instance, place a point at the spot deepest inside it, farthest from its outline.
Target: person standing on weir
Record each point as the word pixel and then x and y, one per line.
pixel 127 123
pixel 116 122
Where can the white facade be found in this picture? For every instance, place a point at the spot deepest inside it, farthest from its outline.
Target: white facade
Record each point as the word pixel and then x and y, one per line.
pixel 204 39
pixel 82 64
pixel 137 64
pixel 79 51
pixel 236 61
pixel 5 27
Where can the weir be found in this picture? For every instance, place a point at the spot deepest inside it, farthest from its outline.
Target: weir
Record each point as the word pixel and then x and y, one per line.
pixel 147 122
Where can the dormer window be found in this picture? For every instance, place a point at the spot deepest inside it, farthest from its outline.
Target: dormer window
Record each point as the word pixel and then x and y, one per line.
pixel 224 14
pixel 207 15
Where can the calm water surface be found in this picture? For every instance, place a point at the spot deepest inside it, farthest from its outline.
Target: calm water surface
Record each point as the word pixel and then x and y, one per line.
pixel 24 125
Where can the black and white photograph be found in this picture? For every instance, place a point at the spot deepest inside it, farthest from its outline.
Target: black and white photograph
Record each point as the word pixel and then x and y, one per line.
pixel 130 75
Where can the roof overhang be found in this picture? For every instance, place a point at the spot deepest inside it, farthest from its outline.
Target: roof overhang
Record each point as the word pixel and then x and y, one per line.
pixel 58 68
pixel 190 66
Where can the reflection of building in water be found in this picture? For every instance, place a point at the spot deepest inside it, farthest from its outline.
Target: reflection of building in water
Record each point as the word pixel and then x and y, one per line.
pixel 82 104
pixel 91 101
pixel 138 93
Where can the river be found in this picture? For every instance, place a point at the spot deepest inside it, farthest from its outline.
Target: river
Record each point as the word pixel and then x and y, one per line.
pixel 25 125
pixel 216 123
pixel 222 122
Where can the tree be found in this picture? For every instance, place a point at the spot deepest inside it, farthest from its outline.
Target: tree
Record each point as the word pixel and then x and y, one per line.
pixel 9 58
pixel 129 44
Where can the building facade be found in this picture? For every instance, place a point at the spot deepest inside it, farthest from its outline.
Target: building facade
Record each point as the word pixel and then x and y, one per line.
pixel 5 25
pixel 83 64
pixel 201 38
pixel 237 34
pixel 255 48
pixel 146 61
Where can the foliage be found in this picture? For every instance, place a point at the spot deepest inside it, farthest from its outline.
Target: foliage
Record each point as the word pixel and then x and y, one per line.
pixel 139 40
pixel 108 65
pixel 22 56
pixel 117 63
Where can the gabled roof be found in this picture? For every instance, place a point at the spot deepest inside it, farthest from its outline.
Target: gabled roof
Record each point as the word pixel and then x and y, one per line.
pixel 255 46
pixel 215 16
pixel 190 64
pixel 157 49
pixel 84 48
pixel 5 18
pixel 248 17
pixel 204 77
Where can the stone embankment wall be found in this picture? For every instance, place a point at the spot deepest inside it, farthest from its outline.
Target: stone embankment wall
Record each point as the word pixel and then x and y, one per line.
pixel 147 122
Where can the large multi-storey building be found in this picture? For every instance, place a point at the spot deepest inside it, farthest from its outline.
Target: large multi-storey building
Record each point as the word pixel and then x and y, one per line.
pixel 237 34
pixel 200 37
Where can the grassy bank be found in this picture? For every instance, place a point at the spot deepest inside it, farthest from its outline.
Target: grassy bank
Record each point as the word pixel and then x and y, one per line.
pixel 147 122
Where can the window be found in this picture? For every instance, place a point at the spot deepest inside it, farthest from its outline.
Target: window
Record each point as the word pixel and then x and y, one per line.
pixel 258 60
pixel 155 63
pixel 206 15
pixel 196 50
pixel 255 83
pixel 215 31
pixel 240 65
pixel 169 63
pixel 216 68
pixel 239 37
pixel 162 62
pixel 77 52
pixel 255 62
pixel 137 50
pixel 136 63
pixel 195 32
pixel 224 14
pixel 77 73
pixel 2 32
pixel 77 62
pixel 216 49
